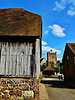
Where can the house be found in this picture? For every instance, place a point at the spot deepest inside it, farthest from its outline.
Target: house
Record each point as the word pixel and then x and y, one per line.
pixel 20 42
pixel 42 61
pixel 51 57
pixel 69 63
pixel 49 71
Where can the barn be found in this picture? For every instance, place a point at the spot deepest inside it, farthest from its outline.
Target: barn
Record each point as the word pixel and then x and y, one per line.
pixel 20 42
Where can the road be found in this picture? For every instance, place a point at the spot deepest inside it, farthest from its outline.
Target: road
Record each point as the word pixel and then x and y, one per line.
pixel 57 90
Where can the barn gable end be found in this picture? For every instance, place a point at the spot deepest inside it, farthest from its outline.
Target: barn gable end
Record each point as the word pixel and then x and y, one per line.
pixel 20 42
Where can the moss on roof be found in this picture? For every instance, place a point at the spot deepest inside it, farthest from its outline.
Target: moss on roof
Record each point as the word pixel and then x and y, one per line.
pixel 19 22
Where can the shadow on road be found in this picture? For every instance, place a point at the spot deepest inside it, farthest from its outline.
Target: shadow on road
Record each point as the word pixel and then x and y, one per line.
pixel 56 84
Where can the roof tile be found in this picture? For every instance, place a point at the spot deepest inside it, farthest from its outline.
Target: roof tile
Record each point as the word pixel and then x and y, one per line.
pixel 19 22
pixel 72 46
pixel 49 69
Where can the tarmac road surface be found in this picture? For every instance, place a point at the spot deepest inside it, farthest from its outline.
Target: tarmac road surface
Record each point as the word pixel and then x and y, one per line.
pixel 57 90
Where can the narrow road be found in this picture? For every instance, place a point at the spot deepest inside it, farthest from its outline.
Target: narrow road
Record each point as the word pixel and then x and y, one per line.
pixel 57 90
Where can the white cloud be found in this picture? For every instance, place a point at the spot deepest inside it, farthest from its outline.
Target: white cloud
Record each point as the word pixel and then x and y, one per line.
pixel 57 30
pixel 46 32
pixel 71 11
pixel 45 49
pixel 60 59
pixel 62 4
pixel 58 6
pixel 44 43
pixel 72 1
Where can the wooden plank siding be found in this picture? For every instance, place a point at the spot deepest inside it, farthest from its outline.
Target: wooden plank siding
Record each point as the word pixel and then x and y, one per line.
pixel 18 59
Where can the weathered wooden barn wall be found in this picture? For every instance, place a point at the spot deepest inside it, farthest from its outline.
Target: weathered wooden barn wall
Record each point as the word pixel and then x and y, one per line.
pixel 20 58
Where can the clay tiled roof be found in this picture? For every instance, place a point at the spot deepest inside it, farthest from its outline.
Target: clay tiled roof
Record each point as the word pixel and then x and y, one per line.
pixel 49 69
pixel 19 22
pixel 72 47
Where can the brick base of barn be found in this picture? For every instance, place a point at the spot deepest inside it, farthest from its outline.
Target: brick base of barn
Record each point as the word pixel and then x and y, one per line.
pixel 19 89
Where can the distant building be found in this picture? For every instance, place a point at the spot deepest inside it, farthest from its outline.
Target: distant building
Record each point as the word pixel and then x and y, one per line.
pixel 69 63
pixel 51 57
pixel 42 61
pixel 49 71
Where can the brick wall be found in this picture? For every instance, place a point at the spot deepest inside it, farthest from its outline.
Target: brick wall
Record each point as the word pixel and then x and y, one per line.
pixel 69 66
pixel 51 57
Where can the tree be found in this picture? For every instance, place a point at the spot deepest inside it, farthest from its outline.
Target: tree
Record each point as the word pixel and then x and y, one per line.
pixel 61 69
pixel 42 67
pixel 56 69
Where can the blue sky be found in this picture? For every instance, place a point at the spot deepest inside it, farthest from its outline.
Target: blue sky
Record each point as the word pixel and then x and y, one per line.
pixel 58 26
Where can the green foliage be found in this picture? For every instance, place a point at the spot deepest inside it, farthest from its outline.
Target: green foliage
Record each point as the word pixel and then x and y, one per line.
pixel 61 69
pixel 54 66
pixel 42 67
pixel 56 69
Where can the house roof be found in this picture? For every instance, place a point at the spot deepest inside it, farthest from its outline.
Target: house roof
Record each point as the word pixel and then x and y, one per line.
pixel 71 46
pixel 42 59
pixel 49 69
pixel 19 22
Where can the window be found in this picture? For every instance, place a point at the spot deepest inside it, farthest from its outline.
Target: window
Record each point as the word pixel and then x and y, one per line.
pixel 52 56
pixel 67 60
pixel 67 57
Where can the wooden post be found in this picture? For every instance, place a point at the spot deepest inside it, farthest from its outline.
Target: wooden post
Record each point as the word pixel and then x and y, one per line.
pixel 11 53
pixel 37 57
pixel 2 67
pixel 7 58
pixel 24 71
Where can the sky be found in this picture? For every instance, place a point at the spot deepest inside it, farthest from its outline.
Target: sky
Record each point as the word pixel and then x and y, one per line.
pixel 58 26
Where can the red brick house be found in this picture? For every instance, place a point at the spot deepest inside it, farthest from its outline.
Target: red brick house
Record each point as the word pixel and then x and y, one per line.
pixel 69 63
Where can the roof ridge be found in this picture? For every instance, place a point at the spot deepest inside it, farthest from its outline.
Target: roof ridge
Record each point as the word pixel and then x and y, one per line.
pixel 50 68
pixel 71 47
